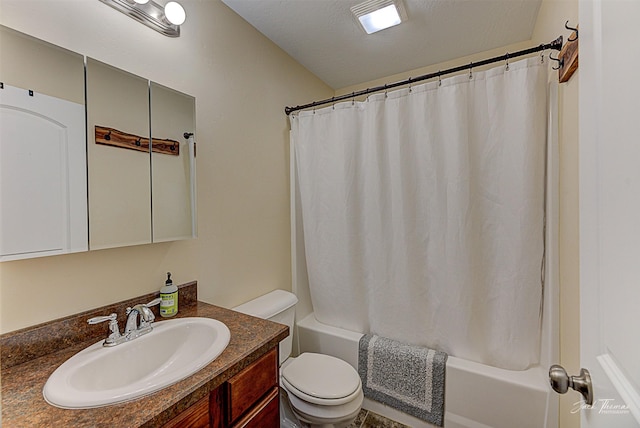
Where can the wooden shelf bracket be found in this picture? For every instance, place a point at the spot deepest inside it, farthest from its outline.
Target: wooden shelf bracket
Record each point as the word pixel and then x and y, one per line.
pixel 568 56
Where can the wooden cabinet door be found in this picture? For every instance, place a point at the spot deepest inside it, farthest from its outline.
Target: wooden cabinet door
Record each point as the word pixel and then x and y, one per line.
pixel 248 386
pixel 196 416
pixel 266 414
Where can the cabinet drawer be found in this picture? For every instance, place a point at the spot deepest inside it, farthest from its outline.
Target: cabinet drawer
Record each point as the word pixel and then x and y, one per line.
pixel 248 386
pixel 265 414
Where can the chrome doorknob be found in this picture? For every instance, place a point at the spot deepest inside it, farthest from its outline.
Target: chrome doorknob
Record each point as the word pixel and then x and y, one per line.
pixel 561 382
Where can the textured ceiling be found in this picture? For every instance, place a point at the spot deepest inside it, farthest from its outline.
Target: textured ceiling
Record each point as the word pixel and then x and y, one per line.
pixel 323 35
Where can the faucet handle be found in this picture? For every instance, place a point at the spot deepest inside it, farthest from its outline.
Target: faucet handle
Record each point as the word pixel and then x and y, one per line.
pixel 147 305
pixel 114 330
pixel 149 317
pixel 97 320
pixel 154 302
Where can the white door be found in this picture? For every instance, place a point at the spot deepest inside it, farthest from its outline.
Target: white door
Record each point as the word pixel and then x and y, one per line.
pixel 42 175
pixel 610 210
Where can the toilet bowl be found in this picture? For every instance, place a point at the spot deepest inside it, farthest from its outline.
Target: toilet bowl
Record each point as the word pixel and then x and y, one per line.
pixel 322 391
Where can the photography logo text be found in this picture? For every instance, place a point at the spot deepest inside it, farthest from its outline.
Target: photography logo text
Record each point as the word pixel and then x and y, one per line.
pixel 603 406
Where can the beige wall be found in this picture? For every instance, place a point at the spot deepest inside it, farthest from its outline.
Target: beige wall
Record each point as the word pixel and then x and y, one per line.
pixel 549 25
pixel 551 19
pixel 241 82
pixel 65 70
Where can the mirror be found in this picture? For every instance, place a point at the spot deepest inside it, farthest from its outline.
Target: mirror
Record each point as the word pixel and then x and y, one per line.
pixel 119 174
pixel 43 194
pixel 140 184
pixel 173 160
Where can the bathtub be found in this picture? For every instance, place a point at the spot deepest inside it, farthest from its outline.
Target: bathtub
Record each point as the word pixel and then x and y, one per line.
pixel 476 395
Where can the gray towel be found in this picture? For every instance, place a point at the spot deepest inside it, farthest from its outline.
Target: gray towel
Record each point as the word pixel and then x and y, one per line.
pixel 405 377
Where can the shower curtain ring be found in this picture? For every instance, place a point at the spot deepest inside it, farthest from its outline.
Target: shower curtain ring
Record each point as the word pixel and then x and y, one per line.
pixel 409 84
pixel 507 60
pixel 439 79
pixel 471 70
pixel 353 98
pixel 541 57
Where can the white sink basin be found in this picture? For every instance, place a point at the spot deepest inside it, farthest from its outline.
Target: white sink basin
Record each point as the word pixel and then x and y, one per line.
pixel 99 376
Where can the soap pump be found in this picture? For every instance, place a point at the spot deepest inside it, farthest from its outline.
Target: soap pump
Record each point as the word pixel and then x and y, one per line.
pixel 169 298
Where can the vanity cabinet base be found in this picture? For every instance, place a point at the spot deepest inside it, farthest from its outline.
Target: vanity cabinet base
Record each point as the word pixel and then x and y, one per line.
pixel 250 399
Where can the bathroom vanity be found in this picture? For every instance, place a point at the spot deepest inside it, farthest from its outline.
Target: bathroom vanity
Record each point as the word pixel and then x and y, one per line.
pixel 248 399
pixel 238 389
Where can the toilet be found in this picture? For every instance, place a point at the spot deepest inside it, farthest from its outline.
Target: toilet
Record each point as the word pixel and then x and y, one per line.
pixel 321 390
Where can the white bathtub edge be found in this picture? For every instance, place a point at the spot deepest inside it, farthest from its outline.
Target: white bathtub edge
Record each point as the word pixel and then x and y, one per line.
pixel 476 395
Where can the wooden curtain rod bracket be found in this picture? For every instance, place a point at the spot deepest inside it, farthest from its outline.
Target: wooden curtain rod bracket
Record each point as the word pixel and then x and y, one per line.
pixel 115 138
pixel 568 58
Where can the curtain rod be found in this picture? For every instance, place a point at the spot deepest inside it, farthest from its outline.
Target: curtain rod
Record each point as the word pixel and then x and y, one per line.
pixel 555 45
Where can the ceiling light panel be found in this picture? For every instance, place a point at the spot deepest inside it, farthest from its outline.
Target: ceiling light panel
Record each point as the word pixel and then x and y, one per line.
pixel 376 15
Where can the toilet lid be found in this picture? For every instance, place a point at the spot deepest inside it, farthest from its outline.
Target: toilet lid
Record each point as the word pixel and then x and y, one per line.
pixel 322 376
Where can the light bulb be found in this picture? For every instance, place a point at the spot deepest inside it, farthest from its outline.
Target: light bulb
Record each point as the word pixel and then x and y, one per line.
pixel 141 1
pixel 174 13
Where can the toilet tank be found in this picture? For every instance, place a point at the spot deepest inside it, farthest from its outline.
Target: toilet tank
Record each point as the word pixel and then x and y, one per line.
pixel 277 306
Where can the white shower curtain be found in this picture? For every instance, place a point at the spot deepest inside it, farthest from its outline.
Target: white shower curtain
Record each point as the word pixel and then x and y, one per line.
pixel 423 213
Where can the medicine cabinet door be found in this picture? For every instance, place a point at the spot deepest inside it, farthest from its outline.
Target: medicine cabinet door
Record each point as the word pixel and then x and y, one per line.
pixel 43 205
pixel 119 161
pixel 173 164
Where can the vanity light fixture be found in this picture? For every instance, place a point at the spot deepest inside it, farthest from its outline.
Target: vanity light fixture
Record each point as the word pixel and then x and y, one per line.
pixel 165 20
pixel 376 15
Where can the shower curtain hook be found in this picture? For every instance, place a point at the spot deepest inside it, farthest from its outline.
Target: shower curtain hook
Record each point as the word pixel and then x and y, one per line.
pixel 353 98
pixel 471 70
pixel 439 79
pixel 409 84
pixel 385 90
pixel 542 57
pixel 507 59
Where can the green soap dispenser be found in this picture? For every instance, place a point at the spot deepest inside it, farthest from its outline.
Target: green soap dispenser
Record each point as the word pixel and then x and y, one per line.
pixel 169 296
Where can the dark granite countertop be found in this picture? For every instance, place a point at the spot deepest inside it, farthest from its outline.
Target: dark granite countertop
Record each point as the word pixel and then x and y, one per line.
pixel 24 406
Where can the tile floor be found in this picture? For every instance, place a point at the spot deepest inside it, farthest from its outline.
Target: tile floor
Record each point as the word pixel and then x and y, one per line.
pixel 368 419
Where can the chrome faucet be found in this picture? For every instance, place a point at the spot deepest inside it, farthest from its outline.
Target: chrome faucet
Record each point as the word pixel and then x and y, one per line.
pixel 140 312
pixel 132 329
